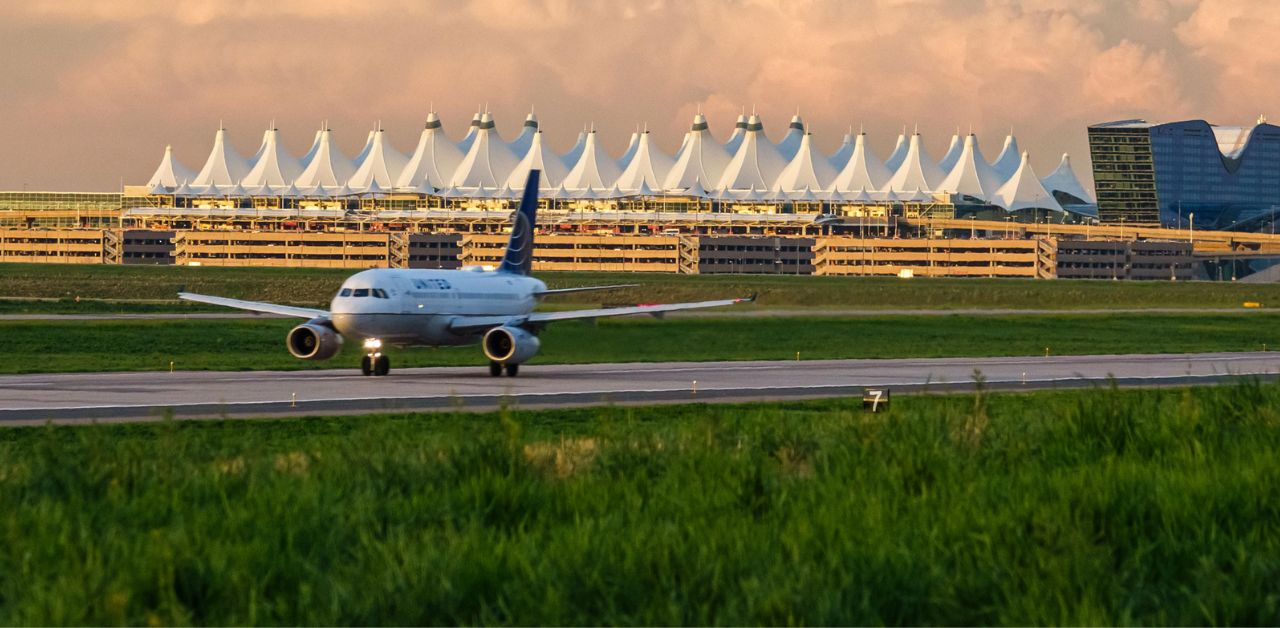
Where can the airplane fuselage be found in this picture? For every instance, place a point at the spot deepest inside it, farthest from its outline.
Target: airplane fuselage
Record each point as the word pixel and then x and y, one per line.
pixel 408 307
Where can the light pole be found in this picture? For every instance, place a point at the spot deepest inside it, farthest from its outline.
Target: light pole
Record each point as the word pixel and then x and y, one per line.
pixel 1192 222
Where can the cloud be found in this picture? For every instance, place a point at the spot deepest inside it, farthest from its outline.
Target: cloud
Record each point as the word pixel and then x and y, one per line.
pixel 120 80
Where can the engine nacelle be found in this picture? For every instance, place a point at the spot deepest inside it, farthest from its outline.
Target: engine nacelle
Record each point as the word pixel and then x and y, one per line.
pixel 313 341
pixel 510 345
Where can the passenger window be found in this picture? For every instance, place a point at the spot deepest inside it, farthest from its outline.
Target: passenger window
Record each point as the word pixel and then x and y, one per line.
pixel 379 293
pixel 360 292
pixel 345 292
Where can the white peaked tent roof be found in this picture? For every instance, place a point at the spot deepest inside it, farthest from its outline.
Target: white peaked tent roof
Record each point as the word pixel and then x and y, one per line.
pixel 425 187
pixel 158 188
pixel 625 159
pixel 488 163
pixel 1024 191
pixel 275 166
pixel 262 148
pixel 899 153
pixel 805 195
pixel 383 164
pixel 224 166
pixel 434 161
pixel 570 158
pixel 757 163
pixel 364 152
pixel 917 171
pixel 791 141
pixel 696 189
pixel 862 196
pixel 808 170
pixel 465 144
pixel 841 157
pixel 1063 179
pixel 649 167
pixel 538 158
pixel 311 152
pixel 520 145
pixel 186 190
pixel 170 173
pixel 972 176
pixel 739 130
pixel 863 171
pixel 888 196
pixel 645 190
pixel 701 158
pixel 952 155
pixel 328 168
pixel 1009 158
pixel 594 169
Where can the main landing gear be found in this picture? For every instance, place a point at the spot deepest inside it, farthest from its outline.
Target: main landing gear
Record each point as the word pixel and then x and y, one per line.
pixel 495 369
pixel 374 363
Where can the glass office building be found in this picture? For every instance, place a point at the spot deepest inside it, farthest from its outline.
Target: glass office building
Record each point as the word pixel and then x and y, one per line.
pixel 1228 177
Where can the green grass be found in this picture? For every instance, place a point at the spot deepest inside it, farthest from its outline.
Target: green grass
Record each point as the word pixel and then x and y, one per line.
pixel 1092 507
pixel 315 287
pixel 53 346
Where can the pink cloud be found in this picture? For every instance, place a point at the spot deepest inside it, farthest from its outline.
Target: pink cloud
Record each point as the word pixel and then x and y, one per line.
pixel 120 80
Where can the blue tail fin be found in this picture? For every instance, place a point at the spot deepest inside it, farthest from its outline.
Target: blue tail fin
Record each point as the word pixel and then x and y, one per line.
pixel 518 258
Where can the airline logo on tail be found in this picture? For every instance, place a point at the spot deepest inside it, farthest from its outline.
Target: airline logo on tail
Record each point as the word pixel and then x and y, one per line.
pixel 518 258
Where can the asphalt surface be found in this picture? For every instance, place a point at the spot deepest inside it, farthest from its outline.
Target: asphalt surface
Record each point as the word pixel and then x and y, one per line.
pixel 72 398
pixel 739 312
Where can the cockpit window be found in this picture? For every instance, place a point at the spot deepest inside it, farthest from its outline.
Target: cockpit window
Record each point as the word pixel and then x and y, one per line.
pixel 345 292
pixel 360 292
pixel 380 293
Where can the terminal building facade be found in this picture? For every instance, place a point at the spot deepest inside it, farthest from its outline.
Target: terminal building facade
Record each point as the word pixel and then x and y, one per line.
pixel 739 203
pixel 1187 174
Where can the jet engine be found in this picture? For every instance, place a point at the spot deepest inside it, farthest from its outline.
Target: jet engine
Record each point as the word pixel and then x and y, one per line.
pixel 510 345
pixel 313 341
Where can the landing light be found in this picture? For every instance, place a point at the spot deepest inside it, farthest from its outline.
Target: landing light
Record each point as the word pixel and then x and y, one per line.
pixel 372 344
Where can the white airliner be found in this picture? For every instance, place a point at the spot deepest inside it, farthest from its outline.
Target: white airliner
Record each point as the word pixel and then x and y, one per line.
pixel 391 306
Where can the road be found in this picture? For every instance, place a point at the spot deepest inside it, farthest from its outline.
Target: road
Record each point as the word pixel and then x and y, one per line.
pixel 71 398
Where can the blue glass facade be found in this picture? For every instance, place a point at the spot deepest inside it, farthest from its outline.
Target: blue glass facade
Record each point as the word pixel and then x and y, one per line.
pixel 1230 182
pixel 1224 192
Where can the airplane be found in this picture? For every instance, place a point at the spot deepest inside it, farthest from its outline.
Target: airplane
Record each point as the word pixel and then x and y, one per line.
pixel 434 308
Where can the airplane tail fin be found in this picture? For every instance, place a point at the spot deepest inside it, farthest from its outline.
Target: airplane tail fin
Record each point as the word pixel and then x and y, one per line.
pixel 518 258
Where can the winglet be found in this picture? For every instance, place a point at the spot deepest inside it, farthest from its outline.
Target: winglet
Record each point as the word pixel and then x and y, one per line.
pixel 518 258
pixel 750 299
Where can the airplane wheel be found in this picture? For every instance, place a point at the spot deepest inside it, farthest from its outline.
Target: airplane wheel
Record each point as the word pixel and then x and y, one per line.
pixel 512 370
pixel 381 365
pixel 495 369
pixel 366 366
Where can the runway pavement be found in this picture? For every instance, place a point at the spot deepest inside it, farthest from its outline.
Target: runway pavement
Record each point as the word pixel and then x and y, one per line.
pixel 73 398
pixel 739 312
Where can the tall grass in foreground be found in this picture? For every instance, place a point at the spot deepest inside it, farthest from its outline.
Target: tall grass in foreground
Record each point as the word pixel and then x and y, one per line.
pixel 1093 507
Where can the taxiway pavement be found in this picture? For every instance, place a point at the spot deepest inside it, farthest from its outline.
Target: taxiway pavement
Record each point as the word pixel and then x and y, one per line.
pixel 82 397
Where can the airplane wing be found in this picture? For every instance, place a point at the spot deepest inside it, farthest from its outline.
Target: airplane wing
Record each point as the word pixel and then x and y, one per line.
pixel 478 323
pixel 584 289
pixel 254 306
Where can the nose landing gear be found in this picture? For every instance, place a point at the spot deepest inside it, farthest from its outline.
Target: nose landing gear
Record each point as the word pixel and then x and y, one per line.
pixel 374 363
pixel 496 368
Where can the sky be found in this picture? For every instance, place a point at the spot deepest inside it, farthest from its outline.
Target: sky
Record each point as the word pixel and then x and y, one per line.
pixel 94 91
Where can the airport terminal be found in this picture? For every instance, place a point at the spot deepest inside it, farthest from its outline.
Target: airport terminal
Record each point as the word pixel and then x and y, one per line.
pixel 1175 201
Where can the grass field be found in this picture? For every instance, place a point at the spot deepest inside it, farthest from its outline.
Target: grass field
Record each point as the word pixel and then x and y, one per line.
pixel 1091 507
pixel 315 287
pixel 54 346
